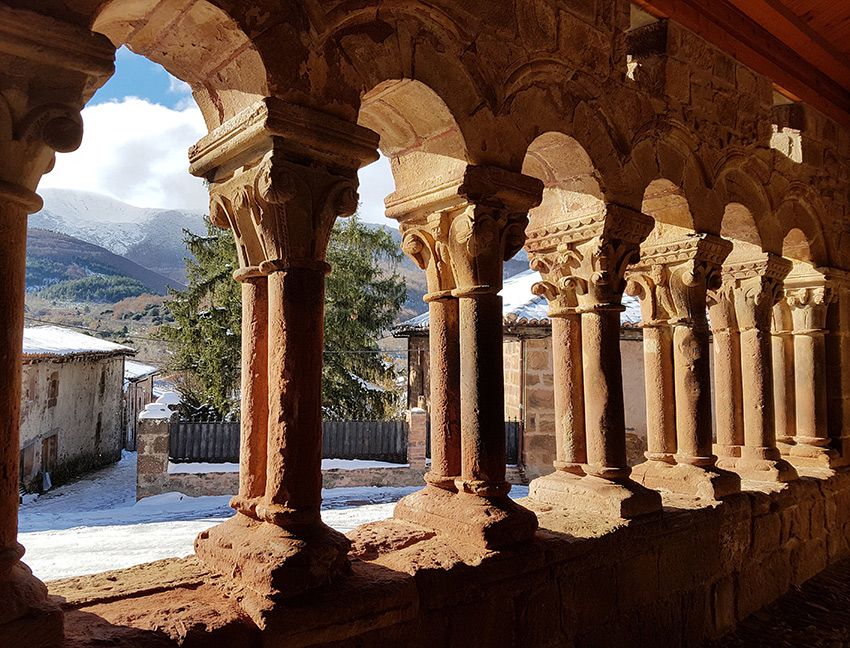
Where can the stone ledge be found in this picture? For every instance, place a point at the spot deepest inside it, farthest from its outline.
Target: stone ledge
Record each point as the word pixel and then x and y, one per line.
pixel 685 575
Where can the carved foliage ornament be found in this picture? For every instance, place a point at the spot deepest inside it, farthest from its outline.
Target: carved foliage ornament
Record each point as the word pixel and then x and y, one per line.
pixel 281 212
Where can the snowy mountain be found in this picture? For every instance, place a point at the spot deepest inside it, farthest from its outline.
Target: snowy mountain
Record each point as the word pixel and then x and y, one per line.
pixel 151 237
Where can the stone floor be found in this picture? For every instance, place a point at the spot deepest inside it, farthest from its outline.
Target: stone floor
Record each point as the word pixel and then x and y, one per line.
pixel 815 615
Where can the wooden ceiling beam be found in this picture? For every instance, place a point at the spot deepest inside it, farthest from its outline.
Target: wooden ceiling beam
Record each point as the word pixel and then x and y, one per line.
pixel 737 34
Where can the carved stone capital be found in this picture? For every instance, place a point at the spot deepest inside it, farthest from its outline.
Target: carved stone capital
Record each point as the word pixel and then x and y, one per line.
pixel 757 288
pixel 279 176
pixel 808 296
pixel 427 244
pixel 589 255
pixel 37 117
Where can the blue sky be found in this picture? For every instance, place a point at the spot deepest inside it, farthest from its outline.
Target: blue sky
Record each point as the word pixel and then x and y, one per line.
pixel 138 128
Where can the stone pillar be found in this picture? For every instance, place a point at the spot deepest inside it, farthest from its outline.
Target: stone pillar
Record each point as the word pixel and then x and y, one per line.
pixel 782 351
pixel 809 296
pixel 254 390
pixel 153 445
pixel 650 285
pixel 280 175
pixel 728 403
pixel 757 290
pixel 691 268
pixel 476 225
pixel 590 257
pixel 417 422
pixel 424 228
pixel 570 440
pixel 838 365
pixel 48 70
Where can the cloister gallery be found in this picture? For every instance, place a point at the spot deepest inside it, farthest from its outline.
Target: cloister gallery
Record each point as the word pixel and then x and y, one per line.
pixel 692 153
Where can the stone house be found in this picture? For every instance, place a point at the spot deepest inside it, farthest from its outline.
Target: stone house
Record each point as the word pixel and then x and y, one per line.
pixel 529 381
pixel 71 404
pixel 138 392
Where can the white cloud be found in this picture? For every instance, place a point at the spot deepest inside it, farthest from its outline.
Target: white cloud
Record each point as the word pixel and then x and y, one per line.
pixel 376 182
pixel 135 151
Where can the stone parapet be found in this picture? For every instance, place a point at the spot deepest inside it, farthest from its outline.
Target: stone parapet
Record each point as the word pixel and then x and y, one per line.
pixel 712 566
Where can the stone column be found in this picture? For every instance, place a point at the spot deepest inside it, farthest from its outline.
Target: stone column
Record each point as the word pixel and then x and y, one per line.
pixel 591 256
pixel 280 175
pixel 728 402
pixel 838 365
pixel 650 285
pixel 48 70
pixel 570 440
pixel 424 229
pixel 757 290
pixel 782 351
pixel 254 408
pixel 482 224
pixel 809 297
pixel 692 268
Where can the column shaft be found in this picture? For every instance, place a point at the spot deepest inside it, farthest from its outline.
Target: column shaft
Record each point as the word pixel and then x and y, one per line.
pixel 693 393
pixel 13 242
pixel 729 414
pixel 783 386
pixel 757 393
pixel 660 398
pixel 296 339
pixel 810 388
pixel 570 441
pixel 482 407
pixel 255 396
pixel 603 394
pixel 445 392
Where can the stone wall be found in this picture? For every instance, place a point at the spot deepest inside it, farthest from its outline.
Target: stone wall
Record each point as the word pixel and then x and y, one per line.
pixel 673 579
pixel 88 389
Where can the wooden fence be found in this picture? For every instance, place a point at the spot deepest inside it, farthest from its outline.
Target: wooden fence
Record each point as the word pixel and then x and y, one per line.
pixel 513 431
pixel 218 442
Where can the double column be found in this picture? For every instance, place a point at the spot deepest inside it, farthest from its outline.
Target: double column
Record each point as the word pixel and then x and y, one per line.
pixel 279 177
pixel 45 79
pixel 461 234
pixel 754 288
pixel 583 263
pixel 672 280
pixel 809 295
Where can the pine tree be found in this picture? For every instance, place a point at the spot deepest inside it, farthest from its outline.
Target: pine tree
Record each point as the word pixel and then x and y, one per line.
pixel 363 299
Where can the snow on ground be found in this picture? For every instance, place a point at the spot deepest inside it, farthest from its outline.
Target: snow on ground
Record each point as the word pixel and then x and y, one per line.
pixel 96 524
pixel 327 464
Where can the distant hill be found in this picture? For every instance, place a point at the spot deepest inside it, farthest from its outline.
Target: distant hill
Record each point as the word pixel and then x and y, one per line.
pixel 53 258
pixel 152 238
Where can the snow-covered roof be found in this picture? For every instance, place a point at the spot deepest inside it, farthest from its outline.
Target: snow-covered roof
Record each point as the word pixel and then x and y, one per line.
pixel 57 341
pixel 170 398
pixel 521 307
pixel 134 370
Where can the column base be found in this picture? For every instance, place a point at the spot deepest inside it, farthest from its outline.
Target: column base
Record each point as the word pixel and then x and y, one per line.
pixel 269 563
pixel 626 499
pixel 489 523
pixel 810 456
pixel 27 616
pixel 765 470
pixel 704 482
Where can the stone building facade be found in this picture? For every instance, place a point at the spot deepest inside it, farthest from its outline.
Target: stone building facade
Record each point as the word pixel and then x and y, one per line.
pixel 71 406
pixel 626 153
pixel 138 392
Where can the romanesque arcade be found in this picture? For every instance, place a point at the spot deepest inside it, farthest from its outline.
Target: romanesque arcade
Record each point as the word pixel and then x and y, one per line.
pixel 613 153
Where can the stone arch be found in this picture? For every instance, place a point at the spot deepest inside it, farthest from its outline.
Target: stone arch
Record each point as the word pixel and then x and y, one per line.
pixel 668 206
pixel 795 230
pixel 739 226
pixel 571 182
pixel 418 132
pixel 671 154
pixel 742 180
pixel 198 43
